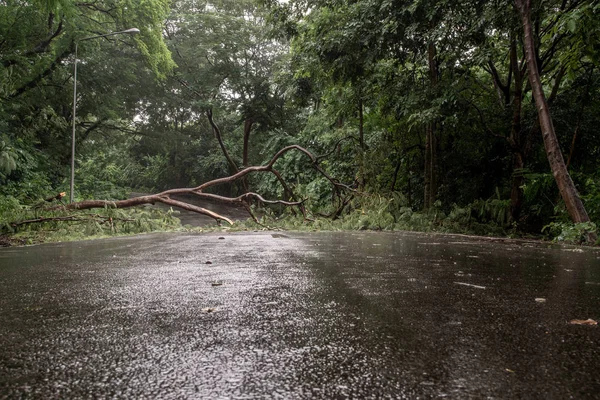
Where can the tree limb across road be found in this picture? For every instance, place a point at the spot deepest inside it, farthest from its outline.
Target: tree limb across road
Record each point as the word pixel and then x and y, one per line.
pixel 198 191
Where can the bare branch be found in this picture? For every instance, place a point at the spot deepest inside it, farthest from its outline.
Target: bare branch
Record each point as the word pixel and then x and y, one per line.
pixel 38 78
pixel 487 128
pixel 322 156
pixel 244 199
pixel 69 218
pixel 219 137
pixel 137 201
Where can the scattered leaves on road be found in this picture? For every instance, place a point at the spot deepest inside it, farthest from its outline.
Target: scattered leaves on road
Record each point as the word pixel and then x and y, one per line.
pixel 470 285
pixel 588 321
pixel 578 250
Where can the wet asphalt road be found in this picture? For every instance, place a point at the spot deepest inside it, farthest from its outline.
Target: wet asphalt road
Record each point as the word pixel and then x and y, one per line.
pixel 298 316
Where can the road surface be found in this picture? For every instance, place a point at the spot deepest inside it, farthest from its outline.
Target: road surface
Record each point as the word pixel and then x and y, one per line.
pixel 298 316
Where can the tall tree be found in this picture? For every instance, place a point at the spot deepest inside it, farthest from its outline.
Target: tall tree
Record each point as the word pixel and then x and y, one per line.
pixel 35 84
pixel 224 79
pixel 567 188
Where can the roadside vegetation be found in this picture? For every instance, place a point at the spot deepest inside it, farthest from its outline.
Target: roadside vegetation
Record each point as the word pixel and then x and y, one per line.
pixel 423 112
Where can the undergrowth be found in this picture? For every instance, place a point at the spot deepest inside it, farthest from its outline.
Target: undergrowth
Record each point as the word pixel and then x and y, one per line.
pixel 364 212
pixel 375 212
pixel 29 224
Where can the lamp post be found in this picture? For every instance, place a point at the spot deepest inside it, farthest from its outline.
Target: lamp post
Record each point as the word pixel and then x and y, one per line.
pixel 131 31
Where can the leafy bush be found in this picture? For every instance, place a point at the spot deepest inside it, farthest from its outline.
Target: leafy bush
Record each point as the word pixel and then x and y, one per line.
pixel 376 212
pixel 495 211
pixel 8 157
pixel 22 174
pixel 569 232
pixel 62 225
pixel 540 193
pixel 592 198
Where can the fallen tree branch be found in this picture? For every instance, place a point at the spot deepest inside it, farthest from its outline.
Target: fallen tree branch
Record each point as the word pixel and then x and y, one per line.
pixel 244 199
pixel 150 199
pixel 269 168
pixel 68 218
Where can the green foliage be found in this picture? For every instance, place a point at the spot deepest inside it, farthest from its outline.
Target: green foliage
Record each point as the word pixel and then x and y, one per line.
pixel 148 16
pixel 10 208
pixel 28 179
pixel 105 171
pixel 357 83
pixel 375 212
pixel 540 193
pixel 581 29
pixel 591 198
pixel 569 232
pixel 62 225
pixel 36 82
pixel 8 158
pixel 494 210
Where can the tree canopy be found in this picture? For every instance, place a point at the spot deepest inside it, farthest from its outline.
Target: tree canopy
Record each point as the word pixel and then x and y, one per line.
pixel 464 115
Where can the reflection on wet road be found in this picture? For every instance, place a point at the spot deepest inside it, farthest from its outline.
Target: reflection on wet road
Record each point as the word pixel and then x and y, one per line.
pixel 299 315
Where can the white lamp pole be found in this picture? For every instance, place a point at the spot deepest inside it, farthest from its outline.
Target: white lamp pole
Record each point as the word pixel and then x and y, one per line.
pixel 131 31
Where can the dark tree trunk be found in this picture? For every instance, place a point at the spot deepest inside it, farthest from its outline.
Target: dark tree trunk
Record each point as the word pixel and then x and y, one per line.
pixel 217 132
pixel 395 177
pixel 361 125
pixel 430 157
pixel 516 136
pixel 248 123
pixel 565 184
pixel 427 171
pixel 361 176
pixel 516 190
pixel 430 189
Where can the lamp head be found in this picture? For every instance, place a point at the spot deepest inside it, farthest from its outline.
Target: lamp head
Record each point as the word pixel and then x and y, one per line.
pixel 131 31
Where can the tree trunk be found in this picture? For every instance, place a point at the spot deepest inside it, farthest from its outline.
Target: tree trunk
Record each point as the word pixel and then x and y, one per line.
pixel 361 125
pixel 565 184
pixel 427 172
pixel 430 142
pixel 515 138
pixel 217 132
pixel 573 141
pixel 248 123
pixel 395 177
pixel 516 191
pixel 361 176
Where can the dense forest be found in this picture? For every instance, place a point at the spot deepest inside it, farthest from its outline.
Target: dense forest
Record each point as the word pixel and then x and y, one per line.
pixel 458 116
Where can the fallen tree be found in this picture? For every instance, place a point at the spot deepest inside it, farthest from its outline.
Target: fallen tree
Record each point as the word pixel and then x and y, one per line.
pixel 244 199
pixel 70 218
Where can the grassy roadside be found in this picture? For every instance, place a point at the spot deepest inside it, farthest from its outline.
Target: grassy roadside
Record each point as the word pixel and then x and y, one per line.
pixel 28 225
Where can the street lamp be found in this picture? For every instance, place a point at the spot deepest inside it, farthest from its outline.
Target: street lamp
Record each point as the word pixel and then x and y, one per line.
pixel 131 31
